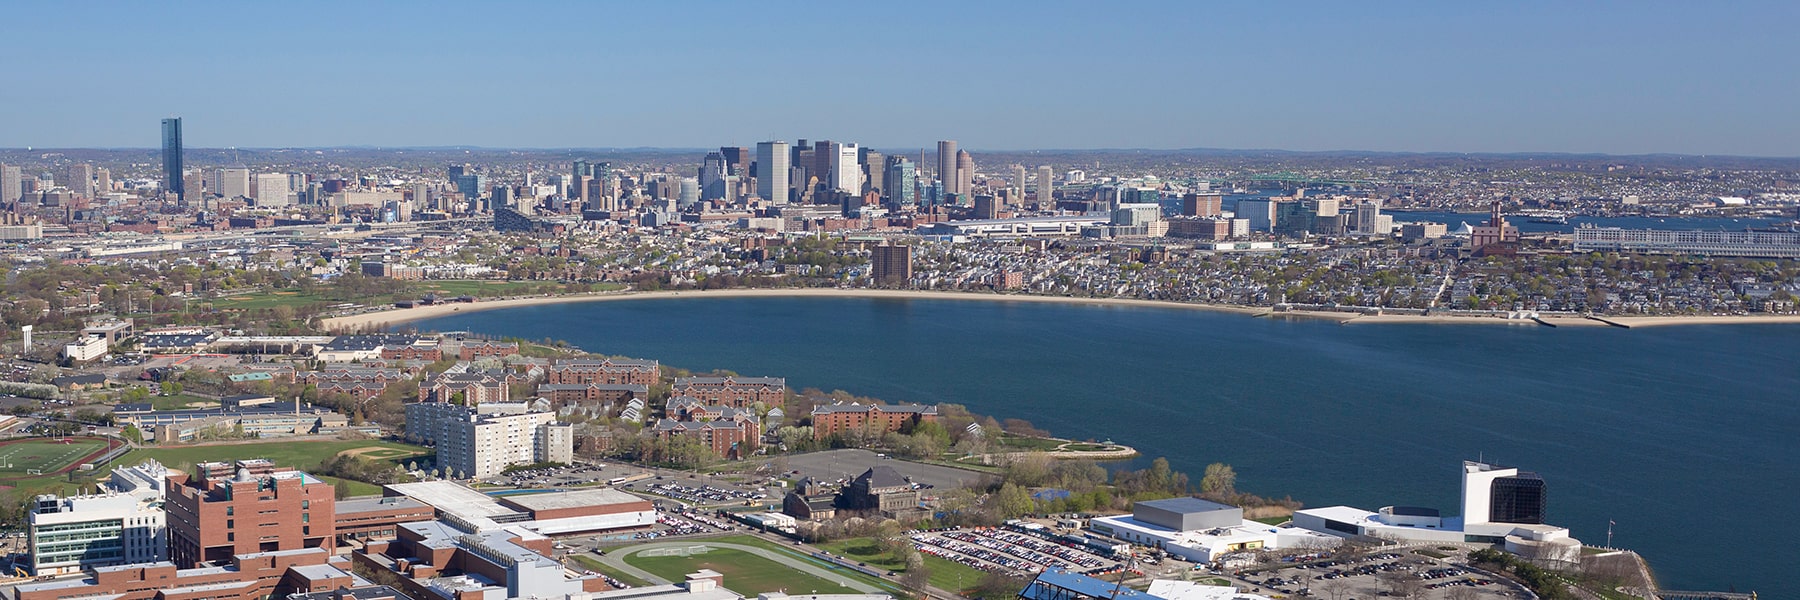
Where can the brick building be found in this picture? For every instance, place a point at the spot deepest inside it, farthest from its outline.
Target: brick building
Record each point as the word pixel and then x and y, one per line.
pixel 249 576
pixel 476 388
pixel 735 392
pixel 246 507
pixel 606 370
pixel 474 349
pixel 592 394
pixel 830 419
pixel 729 439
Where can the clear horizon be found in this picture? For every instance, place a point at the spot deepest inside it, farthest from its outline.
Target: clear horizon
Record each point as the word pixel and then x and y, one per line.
pixel 1527 78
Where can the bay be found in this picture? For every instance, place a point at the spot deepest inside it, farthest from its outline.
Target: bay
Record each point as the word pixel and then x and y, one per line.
pixel 1683 435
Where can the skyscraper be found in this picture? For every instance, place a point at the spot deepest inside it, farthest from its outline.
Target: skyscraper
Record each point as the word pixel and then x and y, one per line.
pixel 171 147
pixel 582 168
pixel 946 167
pixel 1046 186
pixel 846 168
pixel 712 176
pixel 231 182
pixel 902 181
pixel 1018 182
pixel 737 158
pixel 873 171
pixel 271 189
pixel 965 172
pixel 12 183
pixel 772 171
pixel 79 178
pixel 102 180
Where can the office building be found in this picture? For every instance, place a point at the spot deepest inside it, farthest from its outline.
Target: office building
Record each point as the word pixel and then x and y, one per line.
pixel 965 173
pixel 874 171
pixel 901 182
pixel 986 207
pixel 713 170
pixel 1201 204
pixel 737 159
pixel 246 507
pixel 846 169
pixel 1203 531
pixel 582 168
pixel 271 189
pixel 946 165
pixel 123 523
pixel 891 264
pixel 772 166
pixel 231 182
pixel 102 180
pixel 472 185
pixel 171 155
pixel 1046 186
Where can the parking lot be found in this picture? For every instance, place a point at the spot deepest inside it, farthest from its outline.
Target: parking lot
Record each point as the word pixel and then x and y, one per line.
pixel 833 465
pixel 1010 550
pixel 1377 575
pixel 576 475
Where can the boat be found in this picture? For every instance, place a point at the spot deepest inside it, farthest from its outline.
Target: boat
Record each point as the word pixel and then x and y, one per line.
pixel 1559 220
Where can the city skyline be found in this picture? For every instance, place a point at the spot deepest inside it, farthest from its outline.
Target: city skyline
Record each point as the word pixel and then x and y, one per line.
pixel 1536 78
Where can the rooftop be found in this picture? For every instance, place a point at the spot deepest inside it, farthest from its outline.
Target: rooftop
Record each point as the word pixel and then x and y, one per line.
pixel 571 499
pixel 1186 505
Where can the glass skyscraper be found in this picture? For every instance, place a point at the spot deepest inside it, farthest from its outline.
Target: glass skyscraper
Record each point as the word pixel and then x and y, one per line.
pixel 171 146
pixel 901 179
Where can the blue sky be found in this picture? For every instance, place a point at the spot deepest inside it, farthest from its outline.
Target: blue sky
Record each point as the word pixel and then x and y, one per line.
pixel 1614 77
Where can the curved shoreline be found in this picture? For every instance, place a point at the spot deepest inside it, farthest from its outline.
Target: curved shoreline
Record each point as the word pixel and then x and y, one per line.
pixel 382 319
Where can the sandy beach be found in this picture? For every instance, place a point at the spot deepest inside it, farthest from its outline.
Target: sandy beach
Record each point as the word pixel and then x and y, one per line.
pixel 383 319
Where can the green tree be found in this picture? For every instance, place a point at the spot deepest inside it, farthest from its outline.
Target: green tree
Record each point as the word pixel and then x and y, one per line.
pixel 1013 501
pixel 1220 480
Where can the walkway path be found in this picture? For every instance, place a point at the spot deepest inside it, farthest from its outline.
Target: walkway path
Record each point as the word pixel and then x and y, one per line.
pixel 616 559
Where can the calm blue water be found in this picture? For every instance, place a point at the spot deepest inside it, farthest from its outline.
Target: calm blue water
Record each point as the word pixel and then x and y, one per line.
pixel 1684 435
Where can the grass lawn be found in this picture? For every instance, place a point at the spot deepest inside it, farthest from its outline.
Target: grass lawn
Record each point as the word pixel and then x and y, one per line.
pixel 494 289
pixel 287 453
pixel 43 455
pixel 1029 443
pixel 593 564
pixel 1273 520
pixel 270 299
pixel 944 574
pixel 745 573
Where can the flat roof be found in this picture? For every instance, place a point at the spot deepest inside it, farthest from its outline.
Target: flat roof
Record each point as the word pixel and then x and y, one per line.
pixel 571 499
pixel 1187 505
pixel 453 498
pixel 358 505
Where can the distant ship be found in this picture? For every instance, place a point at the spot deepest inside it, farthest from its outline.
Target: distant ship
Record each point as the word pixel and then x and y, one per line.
pixel 1557 220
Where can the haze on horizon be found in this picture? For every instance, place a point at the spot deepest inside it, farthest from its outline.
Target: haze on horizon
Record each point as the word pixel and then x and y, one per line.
pixel 1614 78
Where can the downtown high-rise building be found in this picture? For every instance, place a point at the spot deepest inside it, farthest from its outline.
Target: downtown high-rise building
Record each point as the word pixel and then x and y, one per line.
pixel 79 178
pixel 713 170
pixel 737 158
pixel 772 171
pixel 271 189
pixel 873 169
pixel 171 155
pixel 902 181
pixel 965 174
pixel 846 168
pixel 231 182
pixel 1018 182
pixel 102 180
pixel 946 165
pixel 1046 186
pixel 12 184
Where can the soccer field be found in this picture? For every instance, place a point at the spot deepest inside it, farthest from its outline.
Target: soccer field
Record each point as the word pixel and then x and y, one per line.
pixel 44 456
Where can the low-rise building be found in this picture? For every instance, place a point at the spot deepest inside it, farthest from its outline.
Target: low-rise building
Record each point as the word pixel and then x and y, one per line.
pixel 122 524
pixel 842 417
pixel 736 392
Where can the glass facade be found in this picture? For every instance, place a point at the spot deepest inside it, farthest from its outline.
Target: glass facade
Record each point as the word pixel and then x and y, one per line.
pixel 171 150
pixel 71 544
pixel 1518 499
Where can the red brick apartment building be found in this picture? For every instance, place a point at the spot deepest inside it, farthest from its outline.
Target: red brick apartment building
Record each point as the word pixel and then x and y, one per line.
pixel 613 371
pixel 472 350
pixel 735 392
pixel 592 394
pixel 833 418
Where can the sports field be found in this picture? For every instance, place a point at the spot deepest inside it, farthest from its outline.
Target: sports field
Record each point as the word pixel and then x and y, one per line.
pixel 32 457
pixel 745 573
pixel 286 453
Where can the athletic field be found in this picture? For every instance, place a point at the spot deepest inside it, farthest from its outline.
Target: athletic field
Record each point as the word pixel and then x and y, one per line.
pixel 44 456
